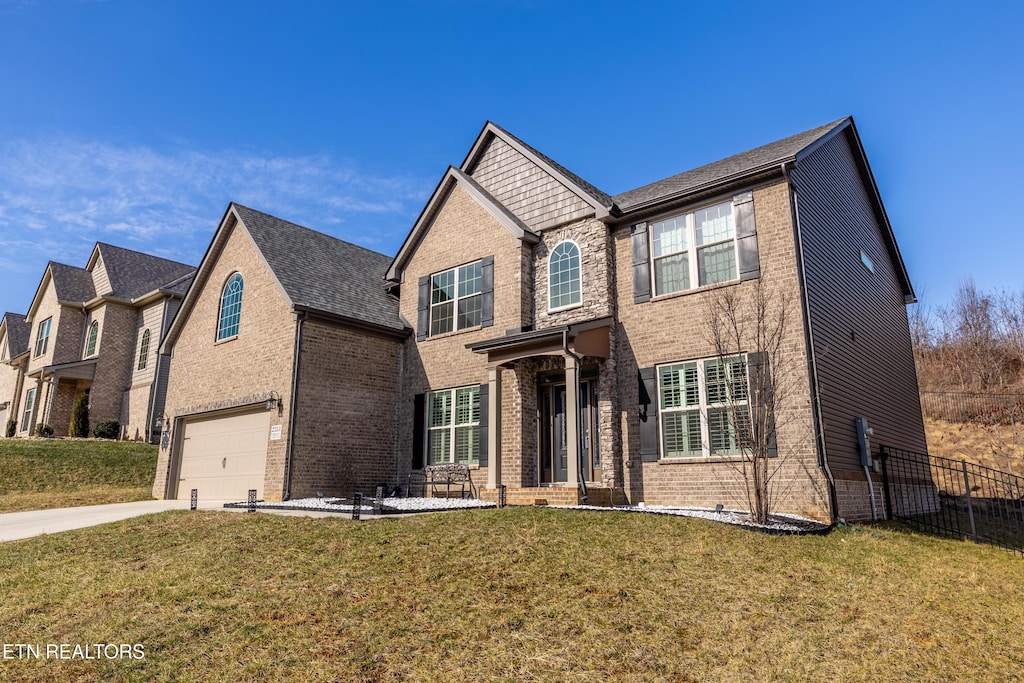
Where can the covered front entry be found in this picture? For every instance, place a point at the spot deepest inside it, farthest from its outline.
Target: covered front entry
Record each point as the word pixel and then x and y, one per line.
pixel 224 457
pixel 557 371
pixel 553 455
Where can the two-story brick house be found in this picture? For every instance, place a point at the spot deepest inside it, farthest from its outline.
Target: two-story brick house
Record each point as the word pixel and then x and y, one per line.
pixel 96 330
pixel 560 344
pixel 554 338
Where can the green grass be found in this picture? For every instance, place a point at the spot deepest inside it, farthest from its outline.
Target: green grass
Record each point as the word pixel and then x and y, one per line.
pixel 37 474
pixel 512 595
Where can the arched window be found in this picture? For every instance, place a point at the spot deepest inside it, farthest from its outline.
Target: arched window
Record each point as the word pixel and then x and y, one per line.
pixel 230 307
pixel 564 276
pixel 144 350
pixel 94 333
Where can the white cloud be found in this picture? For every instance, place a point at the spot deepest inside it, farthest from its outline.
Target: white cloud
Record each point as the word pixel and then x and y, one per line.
pixel 59 196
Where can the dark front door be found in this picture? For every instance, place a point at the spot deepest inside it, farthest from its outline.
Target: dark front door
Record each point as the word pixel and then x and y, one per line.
pixel 554 449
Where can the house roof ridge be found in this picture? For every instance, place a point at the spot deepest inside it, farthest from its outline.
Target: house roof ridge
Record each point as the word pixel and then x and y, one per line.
pixel 304 227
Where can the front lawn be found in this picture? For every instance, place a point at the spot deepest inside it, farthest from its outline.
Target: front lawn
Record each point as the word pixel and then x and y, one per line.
pixel 514 594
pixel 37 474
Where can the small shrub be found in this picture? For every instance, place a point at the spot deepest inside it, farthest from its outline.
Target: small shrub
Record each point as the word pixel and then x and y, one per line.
pixel 108 429
pixel 12 427
pixel 80 417
pixel 44 430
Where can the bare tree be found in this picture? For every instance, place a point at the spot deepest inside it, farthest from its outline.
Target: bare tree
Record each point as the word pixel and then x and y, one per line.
pixel 747 328
pixel 971 338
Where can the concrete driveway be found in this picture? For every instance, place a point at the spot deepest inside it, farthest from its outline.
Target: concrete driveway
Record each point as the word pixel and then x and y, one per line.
pixel 16 525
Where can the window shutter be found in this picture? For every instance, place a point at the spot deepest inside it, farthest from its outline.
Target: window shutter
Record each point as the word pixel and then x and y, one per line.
pixel 482 429
pixel 423 319
pixel 762 402
pixel 746 236
pixel 648 387
pixel 419 428
pixel 487 291
pixel 641 264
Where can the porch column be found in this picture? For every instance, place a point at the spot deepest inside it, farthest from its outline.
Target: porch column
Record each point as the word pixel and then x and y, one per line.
pixel 572 420
pixel 493 426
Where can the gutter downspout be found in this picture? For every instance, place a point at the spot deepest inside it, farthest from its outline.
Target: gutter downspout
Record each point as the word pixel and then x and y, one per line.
pixel 579 433
pixel 809 339
pixel 292 408
pixel 871 494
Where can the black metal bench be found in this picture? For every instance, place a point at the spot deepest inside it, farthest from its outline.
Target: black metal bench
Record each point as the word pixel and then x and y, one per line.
pixel 448 477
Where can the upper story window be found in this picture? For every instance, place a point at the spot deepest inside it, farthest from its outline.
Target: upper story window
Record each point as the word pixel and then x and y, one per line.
pixel 42 337
pixel 701 404
pixel 143 350
pixel 230 308
pixel 90 344
pixel 456 299
pixel 694 249
pixel 564 288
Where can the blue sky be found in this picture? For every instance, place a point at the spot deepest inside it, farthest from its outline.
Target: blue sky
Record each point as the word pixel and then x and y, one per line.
pixel 136 122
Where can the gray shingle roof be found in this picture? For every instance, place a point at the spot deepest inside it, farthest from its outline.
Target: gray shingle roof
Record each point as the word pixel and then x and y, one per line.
pixel 597 195
pixel 181 285
pixel 133 273
pixel 736 165
pixel 17 333
pixel 322 272
pixel 71 283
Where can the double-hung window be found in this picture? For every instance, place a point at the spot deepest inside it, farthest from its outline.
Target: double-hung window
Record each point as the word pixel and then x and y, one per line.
pixel 694 249
pixel 453 419
pixel 30 399
pixel 704 408
pixel 456 301
pixel 42 337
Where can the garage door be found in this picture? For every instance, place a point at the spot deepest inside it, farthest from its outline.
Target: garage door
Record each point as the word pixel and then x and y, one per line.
pixel 224 457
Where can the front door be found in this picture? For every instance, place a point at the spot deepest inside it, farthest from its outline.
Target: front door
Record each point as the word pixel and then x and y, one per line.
pixel 554 449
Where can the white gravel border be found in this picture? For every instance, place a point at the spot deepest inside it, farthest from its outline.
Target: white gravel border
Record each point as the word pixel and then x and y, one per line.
pixel 786 524
pixel 396 505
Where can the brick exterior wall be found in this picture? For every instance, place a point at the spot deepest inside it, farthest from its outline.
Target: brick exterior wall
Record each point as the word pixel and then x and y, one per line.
pixel 209 375
pixel 66 329
pixel 344 438
pixel 671 328
pixel 462 232
pixel 113 363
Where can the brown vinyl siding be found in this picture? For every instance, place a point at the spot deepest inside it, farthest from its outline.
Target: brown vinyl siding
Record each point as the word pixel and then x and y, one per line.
pixel 858 318
pixel 533 195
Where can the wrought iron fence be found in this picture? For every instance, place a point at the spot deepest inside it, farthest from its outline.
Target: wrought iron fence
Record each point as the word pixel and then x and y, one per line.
pixel 954 498
pixel 961 406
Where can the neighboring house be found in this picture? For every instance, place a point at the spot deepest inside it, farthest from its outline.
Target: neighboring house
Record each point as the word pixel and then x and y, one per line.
pixel 14 333
pixel 559 334
pixel 96 330
pixel 287 352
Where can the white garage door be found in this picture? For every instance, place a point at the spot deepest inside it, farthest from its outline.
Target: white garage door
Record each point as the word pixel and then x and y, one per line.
pixel 224 457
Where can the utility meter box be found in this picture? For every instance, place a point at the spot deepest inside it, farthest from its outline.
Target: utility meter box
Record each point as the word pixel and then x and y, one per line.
pixel 864 433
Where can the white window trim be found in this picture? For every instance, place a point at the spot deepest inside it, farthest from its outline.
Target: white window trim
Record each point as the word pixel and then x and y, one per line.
pixel 454 301
pixel 691 252
pixel 40 338
pixel 96 348
pixel 220 309
pixel 142 359
pixel 450 427
pixel 579 256
pixel 30 404
pixel 703 407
